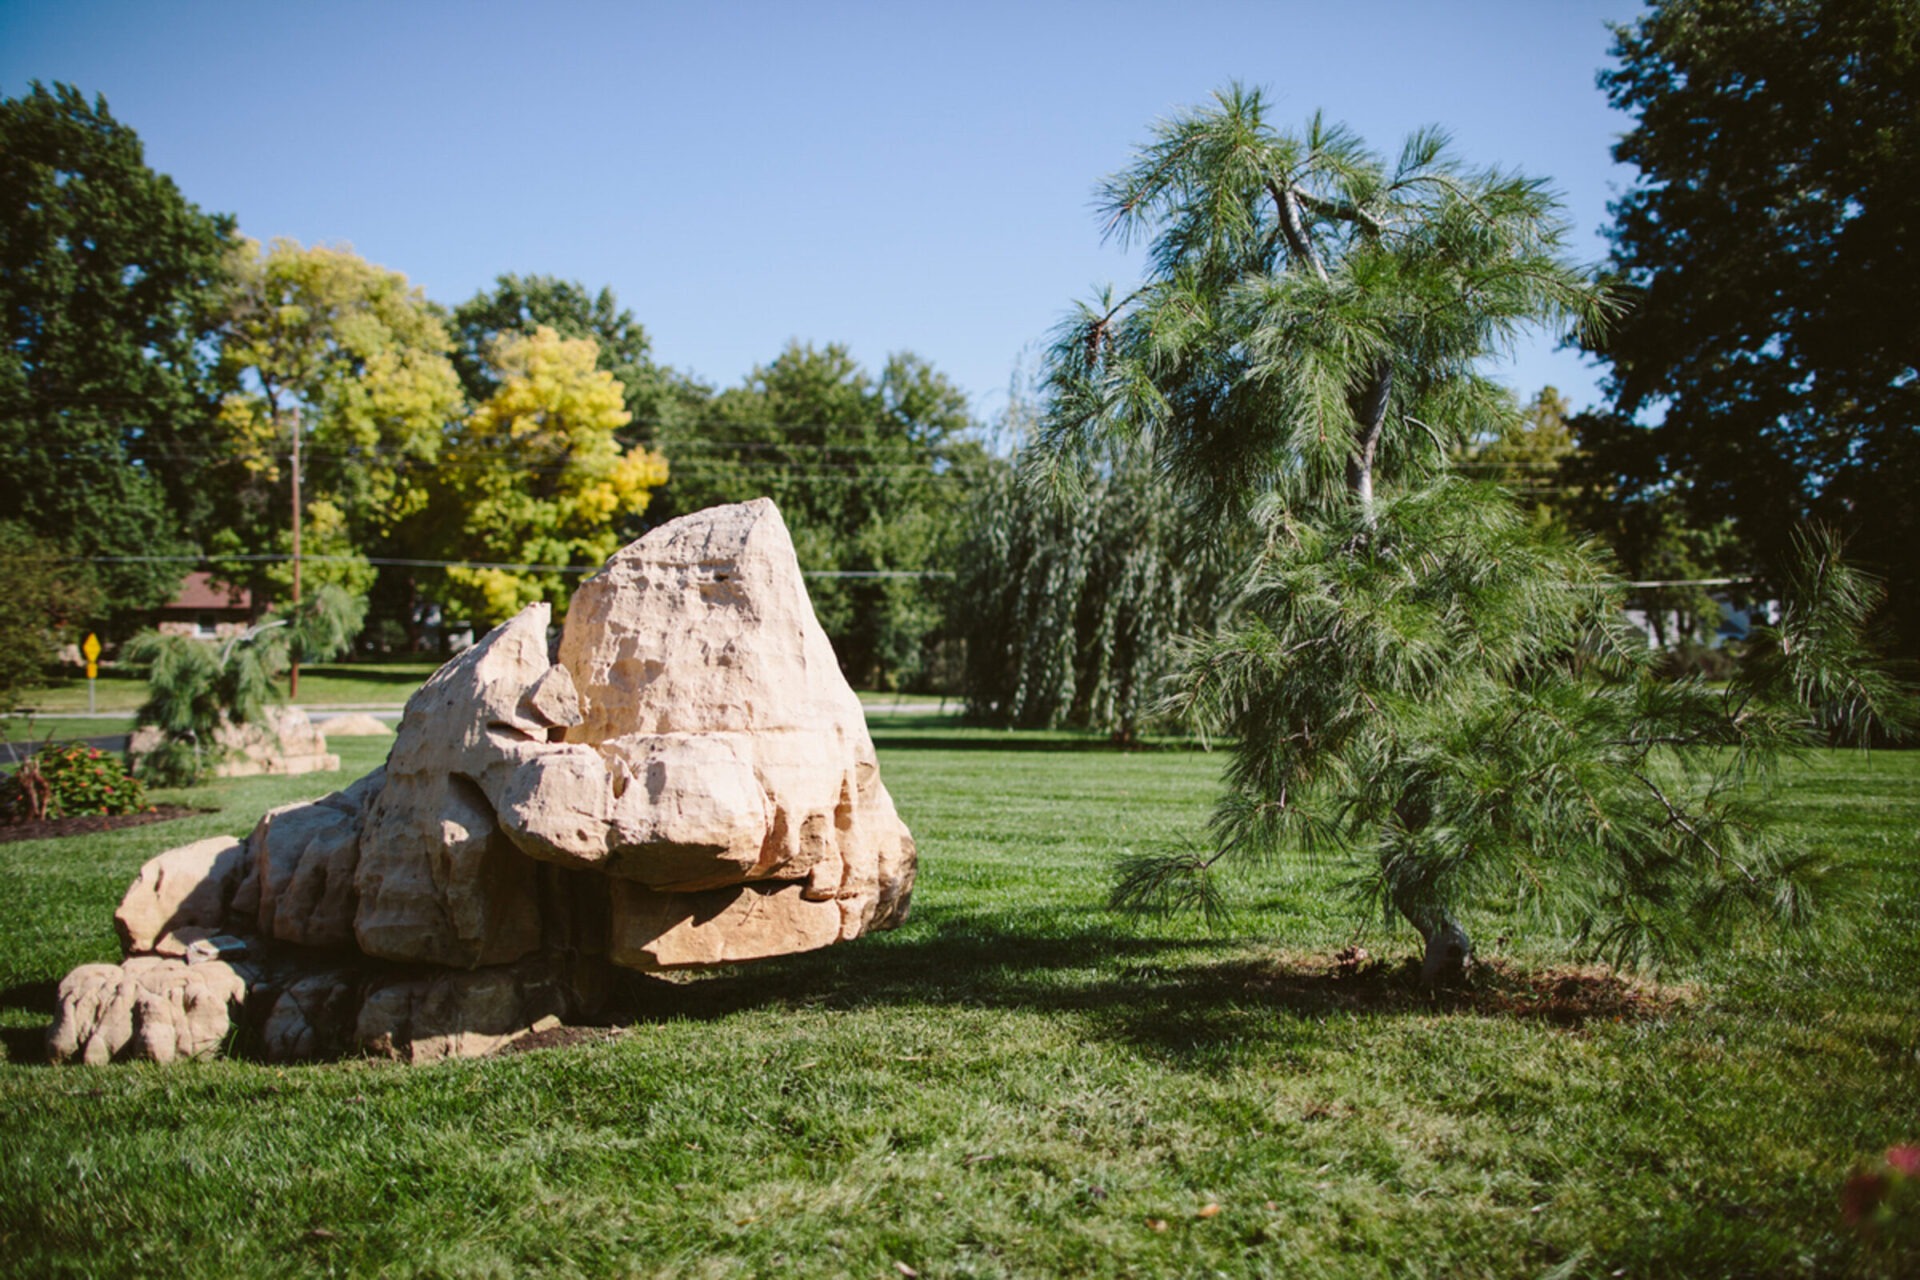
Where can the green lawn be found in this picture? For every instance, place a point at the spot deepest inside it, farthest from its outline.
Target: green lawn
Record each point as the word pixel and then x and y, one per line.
pixel 1015 1083
pixel 325 684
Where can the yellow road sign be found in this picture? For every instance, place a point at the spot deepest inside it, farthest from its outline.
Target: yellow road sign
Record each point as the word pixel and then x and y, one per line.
pixel 91 647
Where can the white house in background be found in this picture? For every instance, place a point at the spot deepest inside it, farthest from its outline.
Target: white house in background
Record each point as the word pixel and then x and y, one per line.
pixel 1737 622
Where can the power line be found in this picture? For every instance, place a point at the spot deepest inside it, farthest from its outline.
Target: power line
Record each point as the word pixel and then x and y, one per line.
pixel 470 564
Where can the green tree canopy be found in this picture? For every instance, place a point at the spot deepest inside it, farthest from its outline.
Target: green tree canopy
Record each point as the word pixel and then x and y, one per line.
pixel 867 474
pixel 524 304
pixel 1768 242
pixel 322 348
pixel 107 275
pixel 47 602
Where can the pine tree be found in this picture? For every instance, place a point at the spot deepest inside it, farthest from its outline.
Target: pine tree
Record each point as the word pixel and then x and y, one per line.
pixel 1417 678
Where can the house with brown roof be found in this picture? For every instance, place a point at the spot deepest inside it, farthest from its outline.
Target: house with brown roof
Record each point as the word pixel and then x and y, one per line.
pixel 206 608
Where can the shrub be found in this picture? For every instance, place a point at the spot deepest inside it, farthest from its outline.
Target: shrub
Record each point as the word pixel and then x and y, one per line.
pixel 79 779
pixel 193 687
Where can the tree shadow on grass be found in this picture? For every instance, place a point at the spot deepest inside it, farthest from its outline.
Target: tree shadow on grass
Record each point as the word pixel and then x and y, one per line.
pixel 28 1044
pixel 1176 997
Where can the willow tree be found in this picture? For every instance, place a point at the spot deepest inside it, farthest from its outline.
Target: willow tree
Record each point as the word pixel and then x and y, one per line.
pixel 1417 679
pixel 1072 605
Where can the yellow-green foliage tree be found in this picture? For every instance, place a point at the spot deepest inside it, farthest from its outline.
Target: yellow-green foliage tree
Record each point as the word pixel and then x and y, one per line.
pixel 324 349
pixel 1525 455
pixel 535 476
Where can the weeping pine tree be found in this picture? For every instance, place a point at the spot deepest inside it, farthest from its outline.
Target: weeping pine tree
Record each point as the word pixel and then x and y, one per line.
pixel 1416 679
pixel 194 687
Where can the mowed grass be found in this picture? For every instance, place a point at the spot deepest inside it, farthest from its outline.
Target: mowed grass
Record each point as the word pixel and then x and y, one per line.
pixel 1013 1084
pixel 322 684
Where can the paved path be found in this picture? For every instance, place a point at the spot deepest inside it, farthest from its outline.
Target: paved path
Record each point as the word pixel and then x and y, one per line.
pixel 70 726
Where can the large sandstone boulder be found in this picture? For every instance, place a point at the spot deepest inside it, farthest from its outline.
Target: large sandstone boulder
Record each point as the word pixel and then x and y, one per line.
pixel 690 783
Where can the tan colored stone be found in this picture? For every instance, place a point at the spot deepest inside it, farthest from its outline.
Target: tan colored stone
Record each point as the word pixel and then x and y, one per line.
pixel 654 931
pixel 459 1015
pixel 691 813
pixel 305 857
pixel 184 888
pixel 151 1007
pixel 700 637
pixel 438 880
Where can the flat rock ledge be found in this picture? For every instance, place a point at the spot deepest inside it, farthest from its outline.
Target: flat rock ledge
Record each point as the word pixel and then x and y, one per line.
pixel 690 784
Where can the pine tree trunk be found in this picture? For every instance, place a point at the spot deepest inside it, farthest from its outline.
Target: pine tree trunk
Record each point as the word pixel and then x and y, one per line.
pixel 1370 419
pixel 1449 950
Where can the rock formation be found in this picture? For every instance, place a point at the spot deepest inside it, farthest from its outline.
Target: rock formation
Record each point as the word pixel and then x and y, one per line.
pixel 690 784
pixel 284 742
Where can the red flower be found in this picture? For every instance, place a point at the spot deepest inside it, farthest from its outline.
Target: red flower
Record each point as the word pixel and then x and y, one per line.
pixel 1904 1160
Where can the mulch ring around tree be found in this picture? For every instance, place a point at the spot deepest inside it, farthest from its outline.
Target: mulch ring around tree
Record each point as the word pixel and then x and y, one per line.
pixel 1564 995
pixel 87 824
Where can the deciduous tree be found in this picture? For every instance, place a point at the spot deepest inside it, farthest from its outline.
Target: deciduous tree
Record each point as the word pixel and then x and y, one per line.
pixel 340 367
pixel 106 278
pixel 535 476
pixel 1768 242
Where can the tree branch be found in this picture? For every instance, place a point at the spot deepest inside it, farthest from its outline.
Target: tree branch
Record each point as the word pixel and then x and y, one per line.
pixel 1299 243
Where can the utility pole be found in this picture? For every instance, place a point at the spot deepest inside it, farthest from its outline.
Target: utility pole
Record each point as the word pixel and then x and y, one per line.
pixel 293 679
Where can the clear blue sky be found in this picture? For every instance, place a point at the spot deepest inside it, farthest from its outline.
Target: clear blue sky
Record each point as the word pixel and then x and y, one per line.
pixel 887 175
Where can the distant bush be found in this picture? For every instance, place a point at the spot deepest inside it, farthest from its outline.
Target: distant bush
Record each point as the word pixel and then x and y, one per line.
pixel 70 780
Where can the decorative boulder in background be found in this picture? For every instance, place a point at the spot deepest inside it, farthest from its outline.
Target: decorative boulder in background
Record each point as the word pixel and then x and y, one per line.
pixel 690 784
pixel 283 742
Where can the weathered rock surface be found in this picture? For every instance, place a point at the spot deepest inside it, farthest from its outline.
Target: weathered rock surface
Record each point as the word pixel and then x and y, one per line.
pixel 690 784
pixel 180 895
pixel 439 882
pixel 699 663
pixel 150 1007
pixel 284 742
